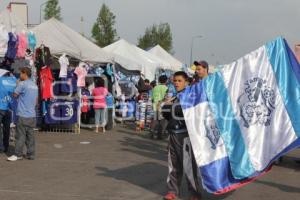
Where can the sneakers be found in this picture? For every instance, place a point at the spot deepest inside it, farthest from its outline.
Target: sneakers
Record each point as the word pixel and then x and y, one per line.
pixel 14 158
pixel 170 196
pixel 29 157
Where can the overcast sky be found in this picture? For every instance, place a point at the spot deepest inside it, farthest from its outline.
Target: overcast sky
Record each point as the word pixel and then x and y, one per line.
pixel 230 28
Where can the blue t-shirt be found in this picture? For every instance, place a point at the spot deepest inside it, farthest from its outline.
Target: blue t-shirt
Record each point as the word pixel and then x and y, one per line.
pixel 7 87
pixel 28 93
pixel 70 83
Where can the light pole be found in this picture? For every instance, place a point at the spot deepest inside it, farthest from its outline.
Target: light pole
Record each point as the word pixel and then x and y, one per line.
pixel 41 11
pixel 193 38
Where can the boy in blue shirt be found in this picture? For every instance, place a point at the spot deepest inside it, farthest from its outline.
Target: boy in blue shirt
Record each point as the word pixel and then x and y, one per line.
pixel 27 95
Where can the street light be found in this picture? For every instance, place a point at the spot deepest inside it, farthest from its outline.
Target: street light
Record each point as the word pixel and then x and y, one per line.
pixel 193 38
pixel 41 10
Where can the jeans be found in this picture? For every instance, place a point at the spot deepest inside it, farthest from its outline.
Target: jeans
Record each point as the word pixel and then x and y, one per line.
pixel 100 118
pixel 5 131
pixel 25 136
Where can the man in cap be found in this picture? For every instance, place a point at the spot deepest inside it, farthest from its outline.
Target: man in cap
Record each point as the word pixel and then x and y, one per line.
pixel 201 71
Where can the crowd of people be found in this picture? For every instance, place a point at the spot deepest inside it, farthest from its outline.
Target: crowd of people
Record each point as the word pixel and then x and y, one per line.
pixel 165 117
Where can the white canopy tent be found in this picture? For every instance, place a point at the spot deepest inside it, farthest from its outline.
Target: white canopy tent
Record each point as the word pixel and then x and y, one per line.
pixel 134 58
pixel 9 22
pixel 164 55
pixel 62 39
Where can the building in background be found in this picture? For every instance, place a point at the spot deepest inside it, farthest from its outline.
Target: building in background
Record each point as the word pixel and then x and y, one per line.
pixel 297 51
pixel 20 9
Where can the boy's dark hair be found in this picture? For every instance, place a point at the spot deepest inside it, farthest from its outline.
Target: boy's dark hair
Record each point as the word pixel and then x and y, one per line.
pixel 181 73
pixel 163 79
pixel 26 70
pixel 203 64
pixel 153 83
pixel 99 82
pixel 146 81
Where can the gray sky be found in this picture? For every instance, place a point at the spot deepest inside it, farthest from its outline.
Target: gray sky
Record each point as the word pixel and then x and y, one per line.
pixel 230 28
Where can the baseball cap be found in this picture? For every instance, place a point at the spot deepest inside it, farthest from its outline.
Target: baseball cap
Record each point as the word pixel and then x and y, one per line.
pixel 202 63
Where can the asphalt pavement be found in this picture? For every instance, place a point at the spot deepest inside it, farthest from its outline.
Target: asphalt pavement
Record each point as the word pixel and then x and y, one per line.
pixel 119 164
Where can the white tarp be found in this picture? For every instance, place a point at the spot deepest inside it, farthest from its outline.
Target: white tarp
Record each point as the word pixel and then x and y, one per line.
pixel 164 55
pixel 11 21
pixel 133 58
pixel 62 39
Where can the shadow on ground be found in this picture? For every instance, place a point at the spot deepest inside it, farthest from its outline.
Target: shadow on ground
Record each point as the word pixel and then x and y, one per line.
pixel 145 148
pixel 290 163
pixel 150 176
pixel 284 188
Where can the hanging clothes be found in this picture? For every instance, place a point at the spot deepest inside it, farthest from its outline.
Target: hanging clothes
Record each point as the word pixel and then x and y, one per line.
pixel 85 100
pixel 12 46
pixel 29 58
pixel 46 80
pixel 81 73
pixel 64 63
pixel 22 45
pixel 31 40
pixel 43 56
pixel 3 40
pixel 69 84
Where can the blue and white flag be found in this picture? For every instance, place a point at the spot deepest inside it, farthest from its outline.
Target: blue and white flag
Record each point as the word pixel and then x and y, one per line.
pixel 243 117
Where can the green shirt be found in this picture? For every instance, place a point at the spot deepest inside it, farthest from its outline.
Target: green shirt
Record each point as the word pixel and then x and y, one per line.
pixel 158 94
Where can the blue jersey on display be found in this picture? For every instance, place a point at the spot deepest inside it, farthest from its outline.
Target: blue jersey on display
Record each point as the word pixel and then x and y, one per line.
pixel 52 113
pixel 61 112
pixel 70 83
pixel 69 112
pixel 109 101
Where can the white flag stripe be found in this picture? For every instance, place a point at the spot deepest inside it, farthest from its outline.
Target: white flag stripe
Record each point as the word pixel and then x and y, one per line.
pixel 198 119
pixel 256 100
